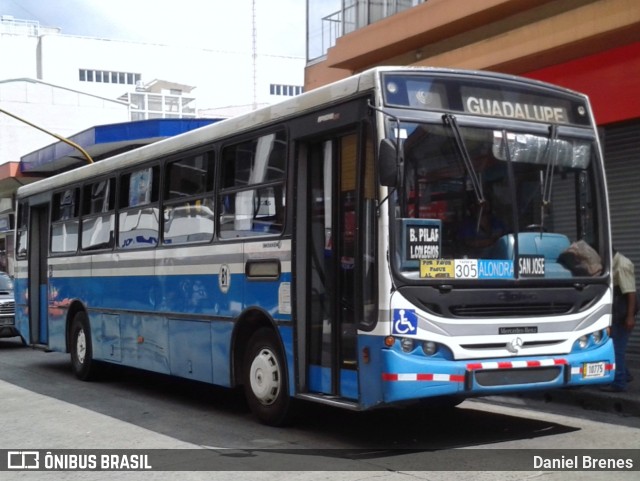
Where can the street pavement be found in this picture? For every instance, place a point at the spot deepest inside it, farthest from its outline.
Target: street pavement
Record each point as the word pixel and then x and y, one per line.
pixel 588 398
pixel 35 421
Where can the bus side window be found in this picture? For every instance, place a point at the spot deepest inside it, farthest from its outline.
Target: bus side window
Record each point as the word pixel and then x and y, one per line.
pixel 189 208
pixel 139 214
pixel 22 234
pixel 252 200
pixel 99 219
pixel 65 221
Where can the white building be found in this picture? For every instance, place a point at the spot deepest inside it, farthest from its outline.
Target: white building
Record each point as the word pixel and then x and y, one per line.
pixel 219 79
pixel 148 81
pixel 67 84
pixel 56 109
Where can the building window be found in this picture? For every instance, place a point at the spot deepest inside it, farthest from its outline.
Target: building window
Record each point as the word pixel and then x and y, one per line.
pixel 144 105
pixel 285 90
pixel 105 76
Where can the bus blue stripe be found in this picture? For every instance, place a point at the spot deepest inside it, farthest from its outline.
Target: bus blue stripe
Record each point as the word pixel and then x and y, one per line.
pixel 178 295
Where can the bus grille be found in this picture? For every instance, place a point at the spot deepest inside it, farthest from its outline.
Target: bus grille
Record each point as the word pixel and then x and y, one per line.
pixel 506 377
pixel 7 308
pixel 501 345
pixel 510 310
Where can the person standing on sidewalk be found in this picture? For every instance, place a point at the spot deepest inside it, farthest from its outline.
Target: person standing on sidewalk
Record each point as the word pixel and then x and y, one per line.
pixel 624 317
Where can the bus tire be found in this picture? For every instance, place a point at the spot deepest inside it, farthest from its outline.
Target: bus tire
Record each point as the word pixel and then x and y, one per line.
pixel 265 379
pixel 82 363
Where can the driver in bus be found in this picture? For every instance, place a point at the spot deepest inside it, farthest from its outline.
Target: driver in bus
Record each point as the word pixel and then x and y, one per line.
pixel 480 229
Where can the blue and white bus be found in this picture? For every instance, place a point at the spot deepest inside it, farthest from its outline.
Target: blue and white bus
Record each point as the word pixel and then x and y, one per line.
pixel 404 235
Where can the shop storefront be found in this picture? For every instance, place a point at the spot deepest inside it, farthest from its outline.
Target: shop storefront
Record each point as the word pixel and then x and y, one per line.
pixel 612 81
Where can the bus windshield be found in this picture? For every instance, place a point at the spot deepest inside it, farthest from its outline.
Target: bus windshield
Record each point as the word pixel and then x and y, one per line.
pixel 484 203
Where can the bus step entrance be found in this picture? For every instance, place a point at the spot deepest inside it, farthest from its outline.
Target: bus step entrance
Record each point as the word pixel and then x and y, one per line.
pixel 331 400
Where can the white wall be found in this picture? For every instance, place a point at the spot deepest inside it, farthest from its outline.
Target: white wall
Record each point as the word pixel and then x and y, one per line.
pixel 18 55
pixel 221 77
pixel 223 81
pixel 58 110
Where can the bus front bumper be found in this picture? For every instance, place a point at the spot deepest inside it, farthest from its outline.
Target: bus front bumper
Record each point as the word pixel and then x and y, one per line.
pixel 409 377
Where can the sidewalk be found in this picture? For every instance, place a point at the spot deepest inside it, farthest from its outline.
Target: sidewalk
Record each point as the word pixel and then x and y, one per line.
pixel 592 398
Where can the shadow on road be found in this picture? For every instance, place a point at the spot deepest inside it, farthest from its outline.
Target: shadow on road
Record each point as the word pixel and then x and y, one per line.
pixel 152 400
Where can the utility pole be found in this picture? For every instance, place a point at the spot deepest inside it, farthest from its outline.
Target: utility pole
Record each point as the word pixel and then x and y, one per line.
pixel 254 38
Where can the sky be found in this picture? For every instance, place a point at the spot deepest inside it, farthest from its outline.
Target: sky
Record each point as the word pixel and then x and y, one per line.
pixel 216 24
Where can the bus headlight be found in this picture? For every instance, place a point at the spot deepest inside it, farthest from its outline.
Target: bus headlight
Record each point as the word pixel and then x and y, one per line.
pixel 406 344
pixel 597 337
pixel 429 348
pixel 583 341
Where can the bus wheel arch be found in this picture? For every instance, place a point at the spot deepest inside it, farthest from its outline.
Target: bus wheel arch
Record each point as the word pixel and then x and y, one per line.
pixel 260 367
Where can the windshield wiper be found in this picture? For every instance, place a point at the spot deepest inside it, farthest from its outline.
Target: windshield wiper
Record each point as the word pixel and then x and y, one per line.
pixel 450 121
pixel 547 184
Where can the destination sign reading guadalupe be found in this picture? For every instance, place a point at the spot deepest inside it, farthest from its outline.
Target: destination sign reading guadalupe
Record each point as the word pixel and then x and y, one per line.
pixel 480 97
pixel 513 105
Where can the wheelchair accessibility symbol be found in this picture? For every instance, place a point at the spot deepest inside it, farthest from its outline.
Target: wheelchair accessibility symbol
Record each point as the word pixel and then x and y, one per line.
pixel 405 321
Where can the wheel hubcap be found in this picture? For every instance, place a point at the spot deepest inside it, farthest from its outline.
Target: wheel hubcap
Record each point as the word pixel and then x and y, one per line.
pixel 265 377
pixel 81 346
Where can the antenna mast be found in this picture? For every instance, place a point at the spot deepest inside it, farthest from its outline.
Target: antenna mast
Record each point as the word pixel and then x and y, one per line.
pixel 254 54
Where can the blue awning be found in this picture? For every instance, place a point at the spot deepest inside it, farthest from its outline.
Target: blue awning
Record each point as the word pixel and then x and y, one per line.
pixel 105 141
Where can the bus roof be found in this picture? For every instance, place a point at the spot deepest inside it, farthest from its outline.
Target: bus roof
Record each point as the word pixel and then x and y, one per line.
pixel 322 96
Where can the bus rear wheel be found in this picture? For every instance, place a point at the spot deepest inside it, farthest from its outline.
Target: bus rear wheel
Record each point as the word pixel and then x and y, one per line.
pixel 265 380
pixel 82 363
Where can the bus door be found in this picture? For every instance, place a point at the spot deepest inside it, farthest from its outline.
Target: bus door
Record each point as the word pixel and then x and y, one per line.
pixel 330 326
pixel 38 286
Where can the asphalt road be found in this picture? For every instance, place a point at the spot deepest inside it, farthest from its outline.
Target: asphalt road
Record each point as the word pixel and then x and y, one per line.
pixel 45 407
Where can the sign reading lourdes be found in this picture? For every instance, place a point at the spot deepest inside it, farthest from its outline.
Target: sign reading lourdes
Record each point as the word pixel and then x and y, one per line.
pixel 421 241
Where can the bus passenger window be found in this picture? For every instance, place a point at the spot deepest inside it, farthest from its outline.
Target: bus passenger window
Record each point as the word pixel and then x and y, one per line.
pixel 252 212
pixel 189 215
pixel 65 221
pixel 139 214
pixel 252 198
pixel 99 220
pixel 189 222
pixel 22 233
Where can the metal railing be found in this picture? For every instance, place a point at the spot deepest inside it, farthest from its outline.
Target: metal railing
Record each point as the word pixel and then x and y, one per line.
pixel 356 14
pixel 32 28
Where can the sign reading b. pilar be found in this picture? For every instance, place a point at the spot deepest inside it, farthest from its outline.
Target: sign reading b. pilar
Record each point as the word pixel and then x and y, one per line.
pixel 421 241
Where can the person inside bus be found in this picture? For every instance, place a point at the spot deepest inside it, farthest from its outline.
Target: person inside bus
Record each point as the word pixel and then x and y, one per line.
pixel 625 308
pixel 480 229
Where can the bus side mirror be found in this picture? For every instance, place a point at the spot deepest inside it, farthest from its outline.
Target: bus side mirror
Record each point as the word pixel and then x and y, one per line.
pixel 388 163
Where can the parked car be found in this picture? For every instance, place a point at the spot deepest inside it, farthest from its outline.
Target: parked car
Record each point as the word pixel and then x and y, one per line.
pixel 7 307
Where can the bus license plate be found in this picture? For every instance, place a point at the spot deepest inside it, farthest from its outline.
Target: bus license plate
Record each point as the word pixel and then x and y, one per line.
pixel 593 369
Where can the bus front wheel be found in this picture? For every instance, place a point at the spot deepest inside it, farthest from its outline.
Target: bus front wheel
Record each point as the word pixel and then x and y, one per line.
pixel 265 381
pixel 81 349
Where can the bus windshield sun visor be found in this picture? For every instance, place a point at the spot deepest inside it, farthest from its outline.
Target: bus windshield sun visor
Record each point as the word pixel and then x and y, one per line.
pixel 532 149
